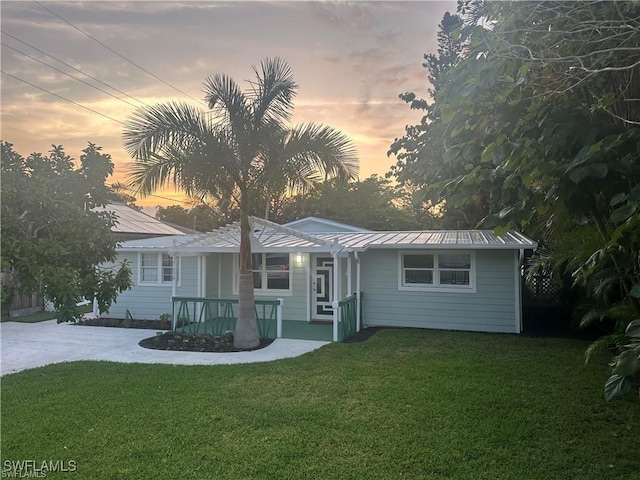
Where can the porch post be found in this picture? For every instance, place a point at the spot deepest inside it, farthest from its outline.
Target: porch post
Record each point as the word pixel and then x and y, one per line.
pixel 349 291
pixel 334 305
pixel 174 286
pixel 279 319
pixel 358 300
pixel 203 275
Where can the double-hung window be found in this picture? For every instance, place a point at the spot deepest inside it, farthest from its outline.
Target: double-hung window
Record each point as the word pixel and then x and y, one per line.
pixel 454 271
pixel 156 268
pixel 271 271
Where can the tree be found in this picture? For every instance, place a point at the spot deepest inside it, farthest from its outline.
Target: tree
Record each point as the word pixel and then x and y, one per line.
pixel 199 217
pixel 371 203
pixel 419 153
pixel 50 235
pixel 240 153
pixel 119 194
pixel 540 119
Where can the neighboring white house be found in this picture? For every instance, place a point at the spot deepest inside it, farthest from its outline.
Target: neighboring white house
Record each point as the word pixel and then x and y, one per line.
pixel 458 280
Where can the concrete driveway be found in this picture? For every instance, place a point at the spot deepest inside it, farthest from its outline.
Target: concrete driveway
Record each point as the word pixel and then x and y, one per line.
pixel 31 345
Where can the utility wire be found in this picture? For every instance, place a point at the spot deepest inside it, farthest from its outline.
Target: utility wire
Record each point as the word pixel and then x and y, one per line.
pixel 74 68
pixel 65 73
pixel 124 187
pixel 113 51
pixel 61 97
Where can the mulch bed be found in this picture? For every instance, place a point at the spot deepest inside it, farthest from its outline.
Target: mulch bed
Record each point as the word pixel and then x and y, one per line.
pixel 363 335
pixel 188 342
pixel 128 323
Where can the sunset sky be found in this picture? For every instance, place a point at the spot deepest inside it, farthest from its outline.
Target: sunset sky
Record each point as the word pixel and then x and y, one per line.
pixel 350 59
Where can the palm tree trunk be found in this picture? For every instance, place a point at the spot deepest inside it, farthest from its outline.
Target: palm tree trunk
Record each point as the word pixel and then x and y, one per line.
pixel 246 335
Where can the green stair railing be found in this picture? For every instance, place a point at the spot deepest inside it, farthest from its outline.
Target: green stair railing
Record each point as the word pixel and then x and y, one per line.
pixel 347 317
pixel 215 316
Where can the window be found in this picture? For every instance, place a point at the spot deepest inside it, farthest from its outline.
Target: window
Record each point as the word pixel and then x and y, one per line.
pixel 156 268
pixel 270 271
pixel 441 271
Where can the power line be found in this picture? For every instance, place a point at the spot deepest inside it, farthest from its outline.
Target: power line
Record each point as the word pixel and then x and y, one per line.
pixel 124 187
pixel 74 68
pixel 61 97
pixel 116 53
pixel 68 75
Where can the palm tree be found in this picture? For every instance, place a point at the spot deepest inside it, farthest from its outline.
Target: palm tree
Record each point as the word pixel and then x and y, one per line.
pixel 241 151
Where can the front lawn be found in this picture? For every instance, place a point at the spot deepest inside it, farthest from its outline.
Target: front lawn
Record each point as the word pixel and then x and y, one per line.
pixel 404 404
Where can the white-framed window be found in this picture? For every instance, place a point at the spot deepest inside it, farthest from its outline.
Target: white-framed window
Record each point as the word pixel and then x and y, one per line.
pixel 452 271
pixel 271 273
pixel 156 268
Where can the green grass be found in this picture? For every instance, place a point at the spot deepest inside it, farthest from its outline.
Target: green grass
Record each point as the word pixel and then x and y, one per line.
pixel 41 316
pixel 405 404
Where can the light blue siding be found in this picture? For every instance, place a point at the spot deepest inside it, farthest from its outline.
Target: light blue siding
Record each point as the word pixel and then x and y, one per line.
pixel 188 286
pixel 294 304
pixel 145 302
pixel 491 308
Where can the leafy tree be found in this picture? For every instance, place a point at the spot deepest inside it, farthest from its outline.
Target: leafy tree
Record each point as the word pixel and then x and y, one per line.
pixel 419 153
pixel 200 217
pixel 372 203
pixel 540 122
pixel 50 235
pixel 240 153
pixel 119 193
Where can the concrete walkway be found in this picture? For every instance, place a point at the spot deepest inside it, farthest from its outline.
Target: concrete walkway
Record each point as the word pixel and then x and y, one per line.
pixel 30 345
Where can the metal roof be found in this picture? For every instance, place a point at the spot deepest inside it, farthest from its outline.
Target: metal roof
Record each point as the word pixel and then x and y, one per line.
pixel 130 220
pixel 270 237
pixel 322 225
pixel 450 239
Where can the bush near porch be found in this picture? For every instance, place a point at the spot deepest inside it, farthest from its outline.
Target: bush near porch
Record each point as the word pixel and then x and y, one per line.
pixel 404 404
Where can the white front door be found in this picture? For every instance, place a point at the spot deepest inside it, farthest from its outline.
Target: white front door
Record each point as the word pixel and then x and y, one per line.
pixel 322 289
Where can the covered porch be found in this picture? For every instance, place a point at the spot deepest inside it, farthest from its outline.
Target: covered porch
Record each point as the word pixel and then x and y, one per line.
pixel 304 286
pixel 216 316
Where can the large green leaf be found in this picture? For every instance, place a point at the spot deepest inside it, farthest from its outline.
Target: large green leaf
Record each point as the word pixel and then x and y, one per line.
pixel 633 329
pixel 627 363
pixel 615 386
pixel 622 213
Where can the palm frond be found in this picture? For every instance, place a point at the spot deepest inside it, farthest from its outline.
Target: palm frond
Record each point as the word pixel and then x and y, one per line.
pixel 604 344
pixel 226 100
pixel 308 154
pixel 150 129
pixel 273 91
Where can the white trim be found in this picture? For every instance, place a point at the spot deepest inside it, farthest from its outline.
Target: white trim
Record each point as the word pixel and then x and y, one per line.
pixel 336 268
pixel 176 269
pixel 436 287
pixel 349 275
pixel 220 274
pixel 358 300
pixel 517 255
pixel 308 275
pixel 263 291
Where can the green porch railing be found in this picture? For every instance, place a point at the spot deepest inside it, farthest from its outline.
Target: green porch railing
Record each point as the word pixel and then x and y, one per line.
pixel 347 317
pixel 215 316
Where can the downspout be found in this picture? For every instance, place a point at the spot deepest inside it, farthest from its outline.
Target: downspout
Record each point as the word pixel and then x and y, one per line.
pixel 176 260
pixel 519 289
pixel 358 300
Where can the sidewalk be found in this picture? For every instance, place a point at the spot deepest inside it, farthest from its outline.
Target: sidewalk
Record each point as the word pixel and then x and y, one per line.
pixel 31 345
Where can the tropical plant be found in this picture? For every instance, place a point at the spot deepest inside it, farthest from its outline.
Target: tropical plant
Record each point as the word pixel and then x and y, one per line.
pixel 52 238
pixel 240 152
pixel 538 130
